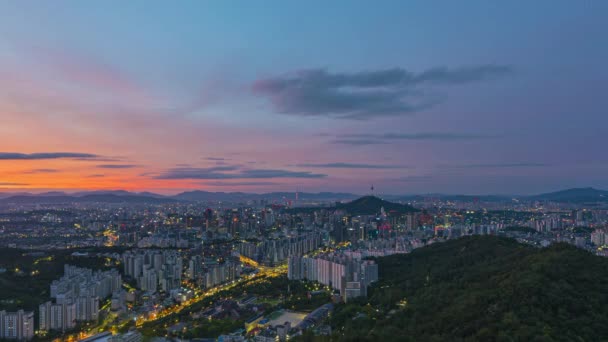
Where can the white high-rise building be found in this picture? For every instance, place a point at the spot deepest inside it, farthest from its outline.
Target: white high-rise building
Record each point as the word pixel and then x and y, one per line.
pixel 17 325
pixel 87 308
pixel 60 317
pixel 598 237
pixel 335 270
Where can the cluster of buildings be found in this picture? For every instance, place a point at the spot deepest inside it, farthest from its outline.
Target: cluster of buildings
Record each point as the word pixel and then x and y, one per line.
pixel 77 296
pixel 16 325
pixel 209 273
pixel 267 234
pixel 162 241
pixel 154 270
pixel 546 224
pixel 347 274
pixel 379 248
pixel 284 325
pixel 275 251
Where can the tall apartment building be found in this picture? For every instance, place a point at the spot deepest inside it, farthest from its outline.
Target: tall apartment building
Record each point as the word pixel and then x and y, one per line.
pixel 17 325
pixel 598 237
pixel 275 251
pixel 339 271
pixel 154 270
pixel 77 294
pixel 60 317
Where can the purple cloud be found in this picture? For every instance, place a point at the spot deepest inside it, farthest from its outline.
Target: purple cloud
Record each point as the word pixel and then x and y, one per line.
pixel 34 171
pixel 45 155
pixel 364 95
pixel 116 166
pixel 354 166
pixel 12 184
pixel 233 172
pixel 386 138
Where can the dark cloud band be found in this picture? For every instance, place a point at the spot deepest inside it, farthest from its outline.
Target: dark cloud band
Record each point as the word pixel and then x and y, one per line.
pixel 116 166
pixel 365 95
pixel 353 166
pixel 45 155
pixel 12 184
pixel 386 138
pixel 234 172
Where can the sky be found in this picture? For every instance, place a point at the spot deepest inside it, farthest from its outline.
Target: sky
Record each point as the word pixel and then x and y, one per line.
pixel 478 97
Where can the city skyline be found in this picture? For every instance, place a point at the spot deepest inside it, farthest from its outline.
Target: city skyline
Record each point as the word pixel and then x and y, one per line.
pixel 149 96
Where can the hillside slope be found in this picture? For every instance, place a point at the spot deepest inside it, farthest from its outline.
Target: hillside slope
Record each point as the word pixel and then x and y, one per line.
pixel 483 289
pixel 577 195
pixel 370 205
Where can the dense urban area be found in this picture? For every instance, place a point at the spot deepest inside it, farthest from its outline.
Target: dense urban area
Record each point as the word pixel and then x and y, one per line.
pixel 119 266
pixel 303 171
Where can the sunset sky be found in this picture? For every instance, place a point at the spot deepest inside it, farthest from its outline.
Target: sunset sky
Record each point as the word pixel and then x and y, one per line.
pixel 504 97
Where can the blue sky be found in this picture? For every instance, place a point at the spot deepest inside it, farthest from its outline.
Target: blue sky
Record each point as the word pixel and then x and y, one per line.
pixel 417 96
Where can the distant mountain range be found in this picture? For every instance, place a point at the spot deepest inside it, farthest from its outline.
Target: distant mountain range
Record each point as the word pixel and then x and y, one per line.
pixel 576 195
pixel 205 196
pixel 88 198
pixel 122 196
pixel 448 197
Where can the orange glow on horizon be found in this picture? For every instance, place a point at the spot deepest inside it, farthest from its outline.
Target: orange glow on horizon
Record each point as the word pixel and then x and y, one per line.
pixel 73 175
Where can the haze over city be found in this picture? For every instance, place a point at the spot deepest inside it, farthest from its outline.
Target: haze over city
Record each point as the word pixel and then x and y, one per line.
pixel 489 98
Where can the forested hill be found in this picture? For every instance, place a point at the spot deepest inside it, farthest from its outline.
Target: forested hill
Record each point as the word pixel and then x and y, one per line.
pixel 483 289
pixel 370 205
pixel 366 205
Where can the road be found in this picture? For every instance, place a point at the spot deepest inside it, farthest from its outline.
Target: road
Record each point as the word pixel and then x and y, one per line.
pixel 263 272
